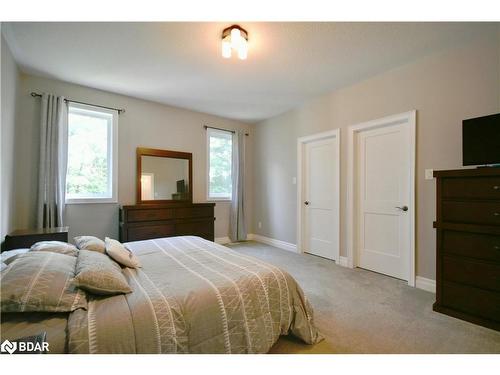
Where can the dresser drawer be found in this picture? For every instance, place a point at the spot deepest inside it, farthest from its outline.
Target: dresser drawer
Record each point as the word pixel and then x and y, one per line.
pixel 470 300
pixel 191 212
pixel 472 272
pixel 472 188
pixel 150 231
pixel 474 245
pixel 487 213
pixel 202 228
pixel 150 214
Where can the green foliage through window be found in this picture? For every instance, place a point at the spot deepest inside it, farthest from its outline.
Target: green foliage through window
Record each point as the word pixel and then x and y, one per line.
pixel 88 173
pixel 220 154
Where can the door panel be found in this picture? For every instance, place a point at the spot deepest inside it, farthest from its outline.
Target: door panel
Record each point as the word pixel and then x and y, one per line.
pixel 321 192
pixel 383 185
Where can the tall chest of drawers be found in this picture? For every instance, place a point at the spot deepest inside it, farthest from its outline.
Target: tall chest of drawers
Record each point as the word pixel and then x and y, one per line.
pixel 468 245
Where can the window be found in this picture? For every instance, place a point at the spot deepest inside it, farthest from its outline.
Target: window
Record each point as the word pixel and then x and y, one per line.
pixel 92 155
pixel 220 154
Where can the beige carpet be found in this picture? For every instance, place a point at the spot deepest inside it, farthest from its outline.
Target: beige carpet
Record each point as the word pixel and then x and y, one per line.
pixel 359 311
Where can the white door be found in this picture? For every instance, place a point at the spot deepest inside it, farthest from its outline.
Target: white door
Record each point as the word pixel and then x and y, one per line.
pixel 147 186
pixel 384 200
pixel 320 198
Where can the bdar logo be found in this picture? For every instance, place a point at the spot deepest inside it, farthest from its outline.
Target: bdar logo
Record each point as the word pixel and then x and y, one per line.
pixel 8 346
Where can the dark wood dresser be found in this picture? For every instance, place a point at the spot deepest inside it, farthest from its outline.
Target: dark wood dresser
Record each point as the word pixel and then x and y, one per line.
pixel 468 245
pixel 146 221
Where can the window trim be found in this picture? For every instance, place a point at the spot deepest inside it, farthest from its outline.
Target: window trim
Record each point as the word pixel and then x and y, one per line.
pixel 112 152
pixel 210 198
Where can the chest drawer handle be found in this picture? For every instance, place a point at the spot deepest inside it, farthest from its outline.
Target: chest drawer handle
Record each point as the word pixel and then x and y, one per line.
pixel 496 187
pixel 496 213
pixel 496 247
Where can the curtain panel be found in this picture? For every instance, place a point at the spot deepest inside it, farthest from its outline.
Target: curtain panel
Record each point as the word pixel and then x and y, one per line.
pixel 237 225
pixel 53 162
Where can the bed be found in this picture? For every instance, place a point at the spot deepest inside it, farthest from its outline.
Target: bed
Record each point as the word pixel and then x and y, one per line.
pixel 190 296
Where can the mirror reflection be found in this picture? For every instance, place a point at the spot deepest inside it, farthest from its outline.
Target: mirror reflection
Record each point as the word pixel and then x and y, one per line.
pixel 164 178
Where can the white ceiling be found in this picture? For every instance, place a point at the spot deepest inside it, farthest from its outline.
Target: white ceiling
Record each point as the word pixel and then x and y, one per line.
pixel 180 63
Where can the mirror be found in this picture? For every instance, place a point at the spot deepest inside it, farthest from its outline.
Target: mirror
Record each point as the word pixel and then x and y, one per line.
pixel 163 176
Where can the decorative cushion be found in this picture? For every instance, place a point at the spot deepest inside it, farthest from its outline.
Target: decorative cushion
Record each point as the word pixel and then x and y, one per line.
pixel 10 254
pixel 99 274
pixel 41 281
pixel 55 247
pixel 121 254
pixel 90 243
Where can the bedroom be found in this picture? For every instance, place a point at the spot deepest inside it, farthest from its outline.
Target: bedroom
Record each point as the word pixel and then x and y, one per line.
pixel 247 150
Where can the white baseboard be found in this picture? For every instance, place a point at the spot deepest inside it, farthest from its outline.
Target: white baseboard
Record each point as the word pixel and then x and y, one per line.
pixel 222 240
pixel 344 261
pixel 273 242
pixel 425 284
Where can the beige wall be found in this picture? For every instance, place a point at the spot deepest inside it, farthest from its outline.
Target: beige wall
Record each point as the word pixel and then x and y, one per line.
pixel 9 83
pixel 444 89
pixel 144 124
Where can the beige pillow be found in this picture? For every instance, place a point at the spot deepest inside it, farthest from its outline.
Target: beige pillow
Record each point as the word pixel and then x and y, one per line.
pixel 121 254
pixel 55 247
pixel 41 281
pixel 99 274
pixel 90 243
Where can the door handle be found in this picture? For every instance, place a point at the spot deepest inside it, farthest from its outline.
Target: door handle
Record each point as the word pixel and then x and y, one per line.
pixel 306 203
pixel 404 208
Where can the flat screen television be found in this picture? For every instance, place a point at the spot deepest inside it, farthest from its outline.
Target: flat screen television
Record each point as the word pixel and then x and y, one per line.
pixel 481 140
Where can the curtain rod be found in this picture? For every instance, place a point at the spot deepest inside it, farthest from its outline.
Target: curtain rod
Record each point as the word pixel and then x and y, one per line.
pixel 224 130
pixel 119 110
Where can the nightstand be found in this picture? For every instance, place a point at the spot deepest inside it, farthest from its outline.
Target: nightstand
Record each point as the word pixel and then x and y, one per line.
pixel 24 238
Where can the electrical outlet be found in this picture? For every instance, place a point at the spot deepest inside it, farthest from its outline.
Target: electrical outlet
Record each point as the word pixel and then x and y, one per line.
pixel 429 174
pixel 259 225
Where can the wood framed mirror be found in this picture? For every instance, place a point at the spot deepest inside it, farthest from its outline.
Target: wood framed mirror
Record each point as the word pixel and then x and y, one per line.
pixel 164 176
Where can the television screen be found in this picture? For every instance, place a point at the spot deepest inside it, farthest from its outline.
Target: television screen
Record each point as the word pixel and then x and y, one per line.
pixel 481 140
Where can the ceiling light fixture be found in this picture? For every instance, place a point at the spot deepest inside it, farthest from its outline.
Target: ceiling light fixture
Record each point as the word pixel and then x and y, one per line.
pixel 235 37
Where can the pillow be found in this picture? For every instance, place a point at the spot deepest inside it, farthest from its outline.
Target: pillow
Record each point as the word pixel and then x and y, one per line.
pixel 90 243
pixel 41 281
pixel 121 254
pixel 55 247
pixel 99 274
pixel 3 266
pixel 11 253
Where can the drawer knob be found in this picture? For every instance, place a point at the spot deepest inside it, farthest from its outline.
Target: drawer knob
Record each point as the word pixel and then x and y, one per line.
pixel 496 187
pixel 496 213
pixel 496 247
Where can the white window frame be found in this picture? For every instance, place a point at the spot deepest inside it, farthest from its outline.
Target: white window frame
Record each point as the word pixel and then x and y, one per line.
pixel 210 198
pixel 112 155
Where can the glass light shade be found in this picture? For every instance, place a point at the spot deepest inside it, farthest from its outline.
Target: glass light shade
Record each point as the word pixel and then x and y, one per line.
pixel 226 48
pixel 243 49
pixel 235 38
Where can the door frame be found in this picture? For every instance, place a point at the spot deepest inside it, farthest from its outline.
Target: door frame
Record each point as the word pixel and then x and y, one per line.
pixel 408 118
pixel 301 142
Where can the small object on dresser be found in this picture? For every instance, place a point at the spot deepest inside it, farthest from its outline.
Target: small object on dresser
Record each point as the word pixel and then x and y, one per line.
pixel 25 238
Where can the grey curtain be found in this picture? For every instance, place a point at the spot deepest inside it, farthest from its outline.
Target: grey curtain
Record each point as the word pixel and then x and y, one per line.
pixel 53 162
pixel 237 226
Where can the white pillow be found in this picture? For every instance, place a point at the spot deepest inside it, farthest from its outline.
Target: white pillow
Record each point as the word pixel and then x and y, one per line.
pixel 121 254
pixel 10 253
pixel 55 247
pixel 90 243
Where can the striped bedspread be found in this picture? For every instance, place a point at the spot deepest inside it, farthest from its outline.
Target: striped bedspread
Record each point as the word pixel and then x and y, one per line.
pixel 194 296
